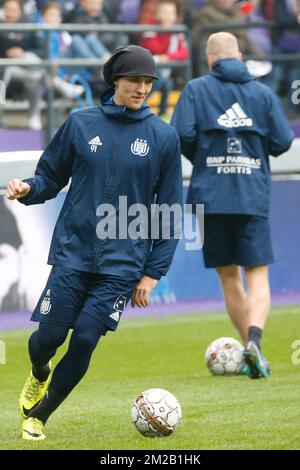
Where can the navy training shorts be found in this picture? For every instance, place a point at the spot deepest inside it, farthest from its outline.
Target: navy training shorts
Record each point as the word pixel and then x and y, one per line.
pixel 70 292
pixel 243 240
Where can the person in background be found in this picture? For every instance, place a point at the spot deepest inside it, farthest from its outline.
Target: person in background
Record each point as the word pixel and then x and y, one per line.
pixel 128 11
pixel 63 45
pixel 221 12
pixel 147 14
pixel 91 12
pixel 11 299
pixel 111 10
pixel 259 37
pixel 166 47
pixel 65 5
pixel 23 45
pixel 231 125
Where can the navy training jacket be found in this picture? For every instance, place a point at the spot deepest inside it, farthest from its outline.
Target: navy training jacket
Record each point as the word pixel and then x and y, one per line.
pixel 229 124
pixel 110 151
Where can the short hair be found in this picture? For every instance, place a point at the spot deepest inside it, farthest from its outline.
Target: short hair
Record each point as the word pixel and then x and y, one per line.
pixel 19 2
pixel 222 45
pixel 48 5
pixel 176 4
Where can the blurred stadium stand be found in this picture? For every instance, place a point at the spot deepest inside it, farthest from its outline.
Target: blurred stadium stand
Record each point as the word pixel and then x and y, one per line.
pixel 55 110
pixel 51 65
pixel 270 25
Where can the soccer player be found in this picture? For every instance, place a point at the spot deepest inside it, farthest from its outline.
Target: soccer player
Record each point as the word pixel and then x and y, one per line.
pixel 231 125
pixel 119 148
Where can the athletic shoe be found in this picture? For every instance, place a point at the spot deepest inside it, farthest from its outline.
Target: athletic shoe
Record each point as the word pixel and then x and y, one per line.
pixel 245 369
pixel 32 393
pixel 258 364
pixel 266 363
pixel 32 430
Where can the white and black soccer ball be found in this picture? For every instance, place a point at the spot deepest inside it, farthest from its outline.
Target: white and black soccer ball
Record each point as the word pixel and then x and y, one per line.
pixel 156 413
pixel 224 356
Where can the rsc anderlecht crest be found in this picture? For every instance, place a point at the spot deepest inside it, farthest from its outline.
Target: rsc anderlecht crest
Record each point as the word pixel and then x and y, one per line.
pixel 140 147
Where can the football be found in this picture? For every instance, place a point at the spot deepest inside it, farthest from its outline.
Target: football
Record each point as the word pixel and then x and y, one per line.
pixel 224 356
pixel 156 413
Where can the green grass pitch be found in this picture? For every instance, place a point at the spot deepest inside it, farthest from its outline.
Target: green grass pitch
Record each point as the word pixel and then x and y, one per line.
pixel 167 352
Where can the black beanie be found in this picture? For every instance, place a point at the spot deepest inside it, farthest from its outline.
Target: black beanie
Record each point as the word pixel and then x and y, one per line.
pixel 129 61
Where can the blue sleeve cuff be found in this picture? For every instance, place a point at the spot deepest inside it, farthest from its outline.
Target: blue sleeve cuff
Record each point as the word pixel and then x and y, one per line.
pixel 152 273
pixel 28 197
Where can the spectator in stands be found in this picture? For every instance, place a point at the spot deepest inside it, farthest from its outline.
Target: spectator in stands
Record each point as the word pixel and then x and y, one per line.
pixel 268 8
pixel 287 13
pixel 148 9
pixel 14 45
pixel 32 79
pixel 110 7
pixel 23 45
pixel 259 37
pixel 220 12
pixel 102 169
pixel 91 12
pixel 29 9
pixel 166 47
pixel 63 45
pixel 189 9
pixel 128 11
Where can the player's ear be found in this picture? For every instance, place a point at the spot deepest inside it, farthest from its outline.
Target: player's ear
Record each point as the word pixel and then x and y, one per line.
pixel 209 59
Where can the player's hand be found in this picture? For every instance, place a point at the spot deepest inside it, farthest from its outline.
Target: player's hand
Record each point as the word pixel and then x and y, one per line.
pixel 16 189
pixel 141 294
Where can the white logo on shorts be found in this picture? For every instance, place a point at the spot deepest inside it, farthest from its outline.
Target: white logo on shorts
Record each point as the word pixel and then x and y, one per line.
pixel 118 307
pixel 46 304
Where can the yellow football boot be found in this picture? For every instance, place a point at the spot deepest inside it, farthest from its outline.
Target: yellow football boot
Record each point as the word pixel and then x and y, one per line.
pixel 32 430
pixel 32 393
